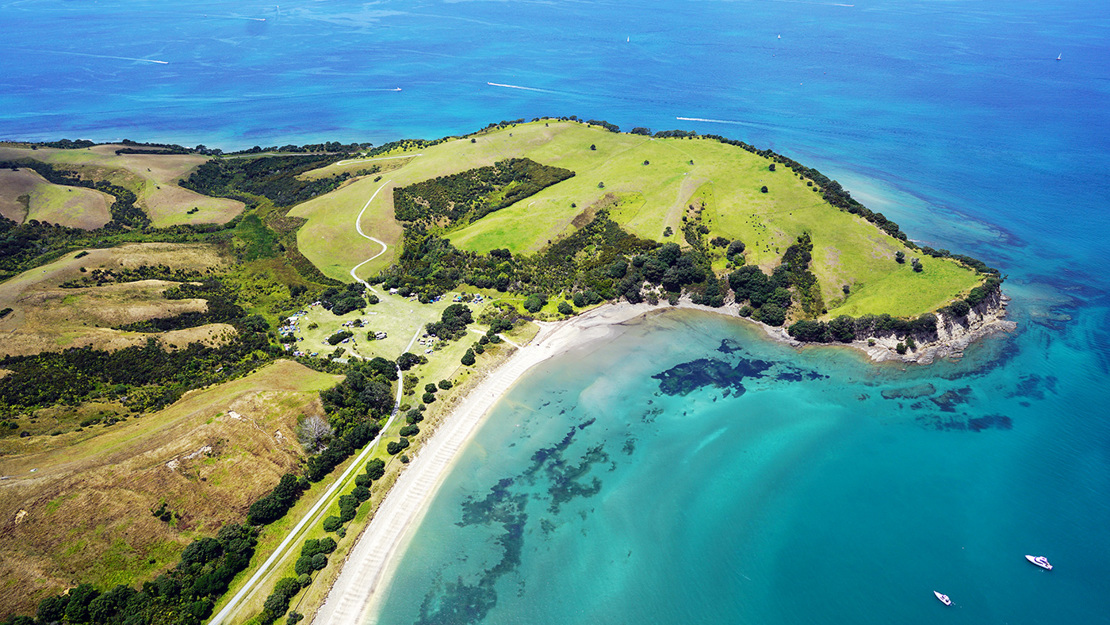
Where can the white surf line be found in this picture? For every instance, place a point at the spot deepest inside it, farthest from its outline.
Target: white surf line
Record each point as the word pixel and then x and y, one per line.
pixel 379 158
pixel 102 56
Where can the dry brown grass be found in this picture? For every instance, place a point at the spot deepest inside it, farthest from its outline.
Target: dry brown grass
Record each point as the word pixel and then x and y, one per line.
pixel 77 507
pixel 15 192
pixel 46 317
pixel 25 195
pixel 153 178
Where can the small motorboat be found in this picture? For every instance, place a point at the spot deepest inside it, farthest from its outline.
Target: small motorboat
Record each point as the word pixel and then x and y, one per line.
pixel 943 598
pixel 1040 561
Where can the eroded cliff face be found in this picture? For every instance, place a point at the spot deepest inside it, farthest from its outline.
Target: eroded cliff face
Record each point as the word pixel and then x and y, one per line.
pixel 953 335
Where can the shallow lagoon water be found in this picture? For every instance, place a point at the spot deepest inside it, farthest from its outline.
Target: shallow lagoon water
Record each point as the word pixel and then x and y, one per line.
pixel 806 500
pixel 773 487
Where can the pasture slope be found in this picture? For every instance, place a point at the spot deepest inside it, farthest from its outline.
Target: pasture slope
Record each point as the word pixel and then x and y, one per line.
pixel 152 177
pixel 25 195
pixel 79 505
pixel 47 317
pixel 652 185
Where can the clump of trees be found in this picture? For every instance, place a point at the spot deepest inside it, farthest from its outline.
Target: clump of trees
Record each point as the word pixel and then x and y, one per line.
pixel 276 178
pixel 452 322
pixel 338 337
pixel 845 329
pixel 364 396
pixel 769 298
pixel 342 300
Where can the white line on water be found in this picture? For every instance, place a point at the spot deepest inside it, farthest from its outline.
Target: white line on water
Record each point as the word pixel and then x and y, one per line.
pixel 102 56
pixel 712 121
pixel 497 84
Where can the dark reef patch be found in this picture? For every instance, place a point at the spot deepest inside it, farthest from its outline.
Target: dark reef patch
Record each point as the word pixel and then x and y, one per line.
pixel 729 346
pixel 910 392
pixel 629 446
pixel 469 601
pixel 949 400
pixel 684 378
pixel 966 423
pixel 995 421
pixel 728 375
pixel 1034 386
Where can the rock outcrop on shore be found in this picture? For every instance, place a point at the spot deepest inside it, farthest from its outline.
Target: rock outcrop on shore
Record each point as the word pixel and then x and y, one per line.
pixel 953 335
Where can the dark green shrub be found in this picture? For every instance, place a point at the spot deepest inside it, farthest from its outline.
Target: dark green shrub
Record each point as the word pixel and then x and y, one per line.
pixel 361 493
pixel 375 468
pixel 303 566
pixel 395 447
pixel 410 430
pixel 332 523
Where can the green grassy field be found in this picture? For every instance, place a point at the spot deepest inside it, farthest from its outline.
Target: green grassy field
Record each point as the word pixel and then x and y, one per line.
pixel 648 185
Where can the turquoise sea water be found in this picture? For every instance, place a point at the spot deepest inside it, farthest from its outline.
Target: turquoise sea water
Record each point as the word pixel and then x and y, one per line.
pixel 809 498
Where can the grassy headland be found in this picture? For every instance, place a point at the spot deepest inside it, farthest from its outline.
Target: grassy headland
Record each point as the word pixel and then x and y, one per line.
pixel 649 185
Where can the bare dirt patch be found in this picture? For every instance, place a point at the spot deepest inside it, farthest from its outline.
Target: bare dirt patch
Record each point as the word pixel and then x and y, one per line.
pixel 85 513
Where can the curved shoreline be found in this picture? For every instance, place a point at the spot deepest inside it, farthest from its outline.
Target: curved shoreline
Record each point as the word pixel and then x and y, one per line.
pixel 356 593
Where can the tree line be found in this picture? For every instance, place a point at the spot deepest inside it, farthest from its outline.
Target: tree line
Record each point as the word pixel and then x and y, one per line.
pixel 461 198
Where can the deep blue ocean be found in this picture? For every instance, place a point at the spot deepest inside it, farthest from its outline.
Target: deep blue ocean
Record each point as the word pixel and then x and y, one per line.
pixel 809 487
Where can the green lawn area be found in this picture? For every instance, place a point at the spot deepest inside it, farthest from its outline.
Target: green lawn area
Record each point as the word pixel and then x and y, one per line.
pixel 648 185
pixel 397 316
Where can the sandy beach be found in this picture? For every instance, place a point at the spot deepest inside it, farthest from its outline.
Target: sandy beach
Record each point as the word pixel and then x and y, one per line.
pixel 355 594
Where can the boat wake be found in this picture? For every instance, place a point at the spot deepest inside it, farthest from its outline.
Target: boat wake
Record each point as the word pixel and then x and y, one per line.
pixel 101 56
pixel 504 86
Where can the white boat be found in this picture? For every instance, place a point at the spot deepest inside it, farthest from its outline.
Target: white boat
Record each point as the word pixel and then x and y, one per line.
pixel 1059 56
pixel 1040 561
pixel 943 598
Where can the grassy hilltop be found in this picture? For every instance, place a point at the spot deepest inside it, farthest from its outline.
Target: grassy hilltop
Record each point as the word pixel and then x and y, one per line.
pixel 650 185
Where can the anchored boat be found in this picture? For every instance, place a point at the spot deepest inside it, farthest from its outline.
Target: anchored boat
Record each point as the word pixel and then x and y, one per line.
pixel 1040 561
